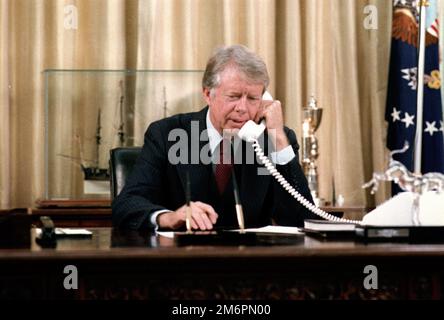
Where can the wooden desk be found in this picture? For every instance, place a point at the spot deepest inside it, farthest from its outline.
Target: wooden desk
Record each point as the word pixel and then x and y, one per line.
pixel 98 213
pixel 67 217
pixel 74 212
pixel 74 217
pixel 126 265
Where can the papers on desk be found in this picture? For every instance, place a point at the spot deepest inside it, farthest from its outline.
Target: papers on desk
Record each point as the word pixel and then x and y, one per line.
pixel 72 232
pixel 166 234
pixel 267 229
pixel 67 232
pixel 275 230
pixel 325 225
pixel 325 229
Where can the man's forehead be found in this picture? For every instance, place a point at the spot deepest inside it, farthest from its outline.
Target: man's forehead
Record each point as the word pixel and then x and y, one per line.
pixel 233 72
pixel 249 88
pixel 240 82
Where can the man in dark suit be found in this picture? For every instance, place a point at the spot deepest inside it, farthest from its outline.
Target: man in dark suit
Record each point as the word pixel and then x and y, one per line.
pixel 192 144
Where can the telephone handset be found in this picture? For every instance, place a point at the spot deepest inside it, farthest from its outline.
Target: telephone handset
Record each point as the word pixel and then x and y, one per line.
pixel 250 132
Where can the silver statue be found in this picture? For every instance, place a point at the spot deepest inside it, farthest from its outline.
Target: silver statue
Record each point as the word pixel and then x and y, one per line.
pixel 407 181
pixel 312 116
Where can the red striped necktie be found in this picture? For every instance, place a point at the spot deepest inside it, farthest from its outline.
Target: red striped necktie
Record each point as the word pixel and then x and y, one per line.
pixel 224 166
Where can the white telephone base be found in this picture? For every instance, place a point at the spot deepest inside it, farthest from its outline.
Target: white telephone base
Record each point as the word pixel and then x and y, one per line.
pixel 398 211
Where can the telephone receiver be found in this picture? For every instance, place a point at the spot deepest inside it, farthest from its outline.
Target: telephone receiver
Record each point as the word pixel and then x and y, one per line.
pixel 251 130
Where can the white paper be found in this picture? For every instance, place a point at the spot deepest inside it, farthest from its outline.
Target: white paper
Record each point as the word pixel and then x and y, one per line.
pixel 72 232
pixel 275 229
pixel 66 231
pixel 267 229
pixel 166 234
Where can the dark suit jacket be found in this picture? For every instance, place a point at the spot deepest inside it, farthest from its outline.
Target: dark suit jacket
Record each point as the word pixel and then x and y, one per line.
pixel 157 184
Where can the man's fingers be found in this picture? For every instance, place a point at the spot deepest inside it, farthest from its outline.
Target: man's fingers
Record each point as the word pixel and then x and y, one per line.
pixel 261 111
pixel 209 210
pixel 184 212
pixel 259 114
pixel 201 217
pixel 266 103
pixel 198 221
pixel 207 224
pixel 272 112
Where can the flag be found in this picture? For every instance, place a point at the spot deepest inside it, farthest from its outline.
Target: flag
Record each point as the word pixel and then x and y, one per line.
pixel 402 88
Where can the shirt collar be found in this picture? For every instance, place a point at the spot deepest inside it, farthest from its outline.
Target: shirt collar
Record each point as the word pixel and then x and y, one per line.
pixel 214 136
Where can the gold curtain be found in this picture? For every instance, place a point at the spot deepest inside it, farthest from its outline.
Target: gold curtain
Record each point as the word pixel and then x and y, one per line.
pixel 326 51
pixel 310 46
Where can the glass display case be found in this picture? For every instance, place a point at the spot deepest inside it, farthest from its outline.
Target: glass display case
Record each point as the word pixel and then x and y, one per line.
pixel 89 112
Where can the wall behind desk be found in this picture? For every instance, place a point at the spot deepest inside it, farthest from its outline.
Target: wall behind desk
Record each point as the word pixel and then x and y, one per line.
pixel 311 47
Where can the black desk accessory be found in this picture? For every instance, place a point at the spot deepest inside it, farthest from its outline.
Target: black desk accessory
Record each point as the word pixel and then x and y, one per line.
pixel 368 233
pixel 47 238
pixel 410 234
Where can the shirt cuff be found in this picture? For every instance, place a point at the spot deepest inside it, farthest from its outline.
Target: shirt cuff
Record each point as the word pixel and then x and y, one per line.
pixel 153 218
pixel 284 156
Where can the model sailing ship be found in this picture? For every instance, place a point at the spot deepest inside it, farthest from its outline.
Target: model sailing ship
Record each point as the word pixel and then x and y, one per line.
pixel 95 175
pixel 95 172
pixel 96 178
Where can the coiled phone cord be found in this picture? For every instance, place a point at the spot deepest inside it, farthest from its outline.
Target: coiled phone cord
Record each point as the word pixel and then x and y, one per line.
pixel 284 183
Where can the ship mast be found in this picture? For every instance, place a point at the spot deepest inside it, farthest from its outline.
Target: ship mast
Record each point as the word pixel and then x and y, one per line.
pixel 165 103
pixel 121 132
pixel 98 137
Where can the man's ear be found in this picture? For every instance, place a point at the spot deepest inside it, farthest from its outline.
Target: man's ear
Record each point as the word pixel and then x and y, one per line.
pixel 206 95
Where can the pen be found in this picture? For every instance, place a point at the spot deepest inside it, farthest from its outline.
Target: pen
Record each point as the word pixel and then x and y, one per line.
pixel 188 200
pixel 239 210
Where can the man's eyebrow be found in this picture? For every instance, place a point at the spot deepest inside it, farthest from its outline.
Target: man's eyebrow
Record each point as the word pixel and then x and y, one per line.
pixel 232 92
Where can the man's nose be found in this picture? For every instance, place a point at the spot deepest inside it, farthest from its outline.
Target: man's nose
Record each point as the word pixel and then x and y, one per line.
pixel 241 106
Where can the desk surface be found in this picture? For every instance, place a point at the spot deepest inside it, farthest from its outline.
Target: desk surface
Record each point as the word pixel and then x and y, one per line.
pixel 108 243
pixel 124 265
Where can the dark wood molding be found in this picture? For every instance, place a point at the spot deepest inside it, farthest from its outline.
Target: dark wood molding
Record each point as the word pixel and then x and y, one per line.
pixel 73 203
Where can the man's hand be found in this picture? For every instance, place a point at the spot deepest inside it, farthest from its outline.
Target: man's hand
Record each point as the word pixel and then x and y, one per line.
pixel 272 112
pixel 203 217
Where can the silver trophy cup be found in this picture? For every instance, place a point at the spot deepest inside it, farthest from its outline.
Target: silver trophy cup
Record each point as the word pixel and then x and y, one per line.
pixel 312 116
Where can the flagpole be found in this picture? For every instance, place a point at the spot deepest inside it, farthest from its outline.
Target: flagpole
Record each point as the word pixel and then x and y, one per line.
pixel 420 88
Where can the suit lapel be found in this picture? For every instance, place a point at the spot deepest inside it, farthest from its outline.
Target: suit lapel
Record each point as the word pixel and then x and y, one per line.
pixel 200 177
pixel 254 185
